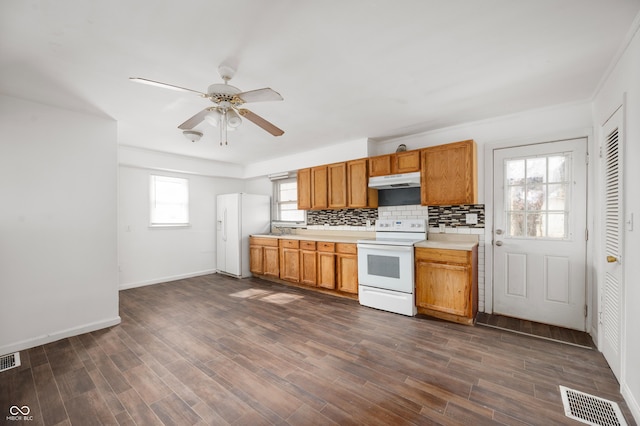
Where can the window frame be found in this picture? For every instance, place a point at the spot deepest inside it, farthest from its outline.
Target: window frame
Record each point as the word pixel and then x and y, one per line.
pixel 277 203
pixel 152 202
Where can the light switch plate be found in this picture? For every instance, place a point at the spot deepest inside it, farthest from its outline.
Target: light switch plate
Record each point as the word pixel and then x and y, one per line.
pixel 471 218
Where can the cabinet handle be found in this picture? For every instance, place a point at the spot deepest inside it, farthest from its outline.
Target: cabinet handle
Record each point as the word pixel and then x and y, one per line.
pixel 498 243
pixel 612 259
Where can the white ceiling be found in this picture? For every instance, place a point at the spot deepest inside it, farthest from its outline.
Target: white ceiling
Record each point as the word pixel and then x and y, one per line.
pixel 347 69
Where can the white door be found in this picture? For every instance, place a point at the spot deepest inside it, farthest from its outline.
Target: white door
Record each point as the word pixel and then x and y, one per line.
pixel 612 287
pixel 539 240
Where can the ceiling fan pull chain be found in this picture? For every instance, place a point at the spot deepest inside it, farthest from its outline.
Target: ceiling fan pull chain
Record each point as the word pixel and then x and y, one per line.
pixel 223 127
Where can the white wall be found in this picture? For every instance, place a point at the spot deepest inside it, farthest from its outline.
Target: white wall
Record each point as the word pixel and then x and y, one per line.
pixel 153 255
pixel 327 154
pixel 624 82
pixel 58 251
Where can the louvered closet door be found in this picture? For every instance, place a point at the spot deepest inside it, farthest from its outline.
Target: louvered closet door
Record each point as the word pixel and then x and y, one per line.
pixel 612 287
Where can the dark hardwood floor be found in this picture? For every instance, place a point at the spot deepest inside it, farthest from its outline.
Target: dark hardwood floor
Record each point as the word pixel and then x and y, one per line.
pixel 215 350
pixel 543 331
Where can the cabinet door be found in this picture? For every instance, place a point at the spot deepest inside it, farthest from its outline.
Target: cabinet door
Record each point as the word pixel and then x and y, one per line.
pixel 444 288
pixel 326 270
pixel 380 165
pixel 406 162
pixel 271 261
pixel 337 185
pixel 347 273
pixel 304 189
pixel 256 263
pixel 449 174
pixel 290 264
pixel 319 187
pixel 308 267
pixel 357 184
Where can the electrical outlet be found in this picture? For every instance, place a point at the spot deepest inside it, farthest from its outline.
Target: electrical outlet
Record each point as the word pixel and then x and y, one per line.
pixel 471 218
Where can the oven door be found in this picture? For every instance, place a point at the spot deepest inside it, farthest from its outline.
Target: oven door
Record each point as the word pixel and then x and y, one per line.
pixel 386 266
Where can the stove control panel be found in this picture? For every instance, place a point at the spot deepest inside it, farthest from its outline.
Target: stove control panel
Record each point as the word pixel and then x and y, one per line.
pixel 401 225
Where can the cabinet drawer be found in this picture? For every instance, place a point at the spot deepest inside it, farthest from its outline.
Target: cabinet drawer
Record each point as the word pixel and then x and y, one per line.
pixel 326 247
pixel 289 243
pixel 346 248
pixel 443 255
pixel 258 241
pixel 308 245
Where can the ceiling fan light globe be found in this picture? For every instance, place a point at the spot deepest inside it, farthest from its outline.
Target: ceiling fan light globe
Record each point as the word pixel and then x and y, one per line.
pixel 213 118
pixel 233 119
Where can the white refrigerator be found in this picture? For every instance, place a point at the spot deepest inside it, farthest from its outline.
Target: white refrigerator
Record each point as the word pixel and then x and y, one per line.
pixel 238 216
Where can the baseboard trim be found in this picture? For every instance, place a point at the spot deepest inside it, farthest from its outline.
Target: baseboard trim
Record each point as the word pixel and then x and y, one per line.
pixel 160 280
pixel 58 335
pixel 631 401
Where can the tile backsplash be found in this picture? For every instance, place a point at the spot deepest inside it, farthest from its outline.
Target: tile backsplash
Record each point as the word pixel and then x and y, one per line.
pixel 452 216
pixel 343 217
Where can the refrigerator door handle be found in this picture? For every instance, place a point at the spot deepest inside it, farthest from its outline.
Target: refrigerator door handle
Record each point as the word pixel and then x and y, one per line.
pixel 224 225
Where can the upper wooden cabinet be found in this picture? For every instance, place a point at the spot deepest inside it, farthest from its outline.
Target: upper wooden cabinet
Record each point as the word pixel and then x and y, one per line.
pixel 380 165
pixel 449 174
pixel 391 164
pixel 359 195
pixel 406 162
pixel 337 185
pixel 319 188
pixel 304 189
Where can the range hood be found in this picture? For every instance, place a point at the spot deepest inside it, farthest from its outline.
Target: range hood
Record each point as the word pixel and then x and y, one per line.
pixel 404 180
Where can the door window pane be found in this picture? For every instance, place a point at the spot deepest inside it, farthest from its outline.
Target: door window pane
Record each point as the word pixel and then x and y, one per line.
pixel 537 191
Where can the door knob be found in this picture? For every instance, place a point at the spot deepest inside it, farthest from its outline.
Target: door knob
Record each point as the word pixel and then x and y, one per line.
pixel 612 259
pixel 498 243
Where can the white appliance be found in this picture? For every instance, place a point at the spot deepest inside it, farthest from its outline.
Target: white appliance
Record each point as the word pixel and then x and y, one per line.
pixel 238 216
pixel 386 265
pixel 397 181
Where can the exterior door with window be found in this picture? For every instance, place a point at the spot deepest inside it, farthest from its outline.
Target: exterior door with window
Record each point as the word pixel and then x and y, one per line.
pixel 539 241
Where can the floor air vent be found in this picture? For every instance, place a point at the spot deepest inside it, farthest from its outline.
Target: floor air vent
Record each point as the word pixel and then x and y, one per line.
pixel 9 361
pixel 591 409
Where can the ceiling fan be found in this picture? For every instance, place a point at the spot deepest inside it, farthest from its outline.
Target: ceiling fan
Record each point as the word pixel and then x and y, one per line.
pixel 227 111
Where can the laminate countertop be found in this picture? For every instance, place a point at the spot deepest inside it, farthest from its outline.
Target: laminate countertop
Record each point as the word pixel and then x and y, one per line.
pixel 435 241
pixel 316 237
pixel 465 242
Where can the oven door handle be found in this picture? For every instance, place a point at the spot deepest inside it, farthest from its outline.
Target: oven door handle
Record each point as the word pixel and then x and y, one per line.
pixel 384 247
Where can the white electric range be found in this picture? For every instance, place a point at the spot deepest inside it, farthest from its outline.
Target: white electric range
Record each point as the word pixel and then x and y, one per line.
pixel 386 265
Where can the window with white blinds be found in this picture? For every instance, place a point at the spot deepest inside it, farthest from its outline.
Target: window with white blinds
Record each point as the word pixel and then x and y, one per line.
pixel 169 198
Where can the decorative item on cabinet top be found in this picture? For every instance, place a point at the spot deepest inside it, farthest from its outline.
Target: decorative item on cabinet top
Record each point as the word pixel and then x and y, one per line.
pixel 352 217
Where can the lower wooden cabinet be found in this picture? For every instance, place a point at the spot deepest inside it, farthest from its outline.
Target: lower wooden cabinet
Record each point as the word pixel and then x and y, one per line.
pixel 264 256
pixel 447 284
pixel 290 260
pixel 308 263
pixel 326 272
pixel 326 265
pixel 347 267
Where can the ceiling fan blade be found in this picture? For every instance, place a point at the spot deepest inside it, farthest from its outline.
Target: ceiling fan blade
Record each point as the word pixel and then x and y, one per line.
pixel 260 95
pixel 164 85
pixel 195 120
pixel 261 122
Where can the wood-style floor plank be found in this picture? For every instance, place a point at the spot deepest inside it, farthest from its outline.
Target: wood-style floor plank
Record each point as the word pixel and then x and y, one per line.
pixel 214 350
